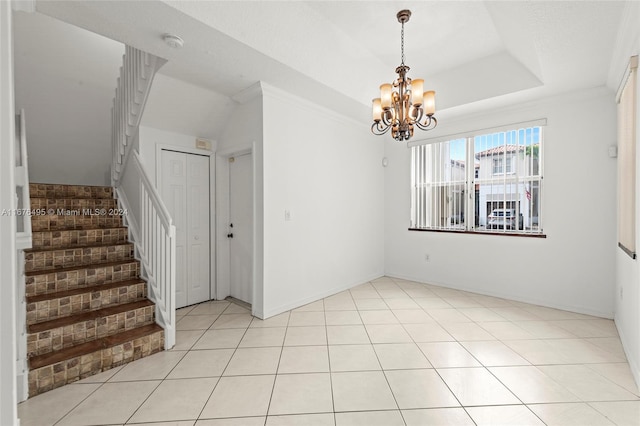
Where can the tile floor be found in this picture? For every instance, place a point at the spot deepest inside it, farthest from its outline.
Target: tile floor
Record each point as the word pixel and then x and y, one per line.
pixel 389 352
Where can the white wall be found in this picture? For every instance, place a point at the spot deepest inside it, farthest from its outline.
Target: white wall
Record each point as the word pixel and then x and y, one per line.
pixel 627 291
pixel 180 107
pixel 8 396
pixel 326 170
pixel 574 267
pixel 65 81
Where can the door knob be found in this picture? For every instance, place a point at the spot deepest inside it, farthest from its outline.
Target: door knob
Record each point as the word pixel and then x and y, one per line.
pixel 196 238
pixel 230 235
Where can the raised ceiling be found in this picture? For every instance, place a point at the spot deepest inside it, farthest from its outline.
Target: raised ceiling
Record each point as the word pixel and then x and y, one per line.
pixel 338 52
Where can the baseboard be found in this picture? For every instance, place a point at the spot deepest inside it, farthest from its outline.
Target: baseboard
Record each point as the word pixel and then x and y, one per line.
pixel 321 295
pixel 632 361
pixel 576 309
pixel 22 386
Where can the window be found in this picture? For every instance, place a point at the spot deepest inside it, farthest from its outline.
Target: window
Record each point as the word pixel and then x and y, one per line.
pixel 502 164
pixel 489 182
pixel 498 166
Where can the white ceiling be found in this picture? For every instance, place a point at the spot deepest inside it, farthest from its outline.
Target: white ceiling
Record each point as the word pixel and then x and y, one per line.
pixel 43 45
pixel 339 52
pixel 65 79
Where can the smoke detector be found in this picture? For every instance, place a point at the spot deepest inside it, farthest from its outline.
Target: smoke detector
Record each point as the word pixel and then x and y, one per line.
pixel 173 41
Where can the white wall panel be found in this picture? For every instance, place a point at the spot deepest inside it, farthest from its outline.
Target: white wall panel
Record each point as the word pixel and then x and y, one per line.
pixel 326 171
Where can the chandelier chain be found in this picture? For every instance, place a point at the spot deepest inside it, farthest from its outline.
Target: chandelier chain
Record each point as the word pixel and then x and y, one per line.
pixel 402 44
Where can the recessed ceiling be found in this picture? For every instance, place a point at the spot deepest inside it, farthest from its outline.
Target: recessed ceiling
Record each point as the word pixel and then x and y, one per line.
pixel 337 53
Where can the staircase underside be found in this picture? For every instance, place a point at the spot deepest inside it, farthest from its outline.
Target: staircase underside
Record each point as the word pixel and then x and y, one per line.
pixel 87 307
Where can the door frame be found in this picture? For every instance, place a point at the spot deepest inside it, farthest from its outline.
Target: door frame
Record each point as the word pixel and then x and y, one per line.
pixel 223 289
pixel 212 201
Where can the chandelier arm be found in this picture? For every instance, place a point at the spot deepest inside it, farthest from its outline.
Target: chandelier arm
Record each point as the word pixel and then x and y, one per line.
pixel 428 124
pixel 387 118
pixel 419 115
pixel 378 130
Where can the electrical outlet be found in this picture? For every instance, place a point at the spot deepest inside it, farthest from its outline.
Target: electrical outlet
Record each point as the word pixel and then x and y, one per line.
pixel 427 258
pixel 621 294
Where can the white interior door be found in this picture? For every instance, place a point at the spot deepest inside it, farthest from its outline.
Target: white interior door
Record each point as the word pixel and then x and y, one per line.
pixel 185 189
pixel 241 227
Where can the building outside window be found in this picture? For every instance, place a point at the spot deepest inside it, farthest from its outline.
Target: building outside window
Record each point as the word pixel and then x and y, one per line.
pixel 500 192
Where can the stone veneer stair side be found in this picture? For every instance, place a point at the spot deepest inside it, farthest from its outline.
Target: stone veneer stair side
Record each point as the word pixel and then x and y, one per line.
pixel 87 307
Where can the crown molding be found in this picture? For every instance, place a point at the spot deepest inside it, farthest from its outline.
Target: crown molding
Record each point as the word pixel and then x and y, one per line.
pixel 317 109
pixel 252 92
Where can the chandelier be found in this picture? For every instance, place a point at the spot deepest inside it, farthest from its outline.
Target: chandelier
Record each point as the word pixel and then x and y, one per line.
pixel 406 106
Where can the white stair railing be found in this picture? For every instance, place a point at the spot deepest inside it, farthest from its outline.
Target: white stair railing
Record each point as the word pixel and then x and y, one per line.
pixel 23 203
pixel 152 231
pixel 134 84
pixel 23 242
pixel 150 226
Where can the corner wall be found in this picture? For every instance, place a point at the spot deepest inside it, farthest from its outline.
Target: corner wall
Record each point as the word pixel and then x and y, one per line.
pixel 574 267
pixel 326 171
pixel 627 289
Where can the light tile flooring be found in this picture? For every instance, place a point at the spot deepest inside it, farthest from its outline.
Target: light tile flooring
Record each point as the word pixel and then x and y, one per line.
pixel 390 352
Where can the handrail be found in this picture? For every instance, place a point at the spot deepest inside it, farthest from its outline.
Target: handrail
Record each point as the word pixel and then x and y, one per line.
pixel 133 86
pixel 163 211
pixel 150 225
pixel 23 221
pixel 154 236
pixel 23 242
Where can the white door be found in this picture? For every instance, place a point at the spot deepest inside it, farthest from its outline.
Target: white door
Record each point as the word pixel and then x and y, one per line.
pixel 185 189
pixel 241 227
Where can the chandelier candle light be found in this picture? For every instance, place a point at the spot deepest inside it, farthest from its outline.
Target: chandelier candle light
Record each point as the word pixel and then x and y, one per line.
pixel 407 106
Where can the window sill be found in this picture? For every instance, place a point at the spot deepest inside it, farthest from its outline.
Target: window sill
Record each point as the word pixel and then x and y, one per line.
pixel 491 233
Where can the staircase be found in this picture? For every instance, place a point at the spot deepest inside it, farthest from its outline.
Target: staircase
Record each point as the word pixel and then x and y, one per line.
pixel 87 307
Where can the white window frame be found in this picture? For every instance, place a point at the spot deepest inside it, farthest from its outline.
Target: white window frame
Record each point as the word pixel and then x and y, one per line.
pixel 426 215
pixel 498 165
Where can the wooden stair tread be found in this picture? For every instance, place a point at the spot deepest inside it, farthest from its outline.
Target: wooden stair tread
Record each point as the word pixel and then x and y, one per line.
pixel 67 197
pixel 39 361
pixel 68 184
pixel 86 316
pixel 80 290
pixel 81 246
pixel 73 268
pixel 85 229
pixel 109 222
